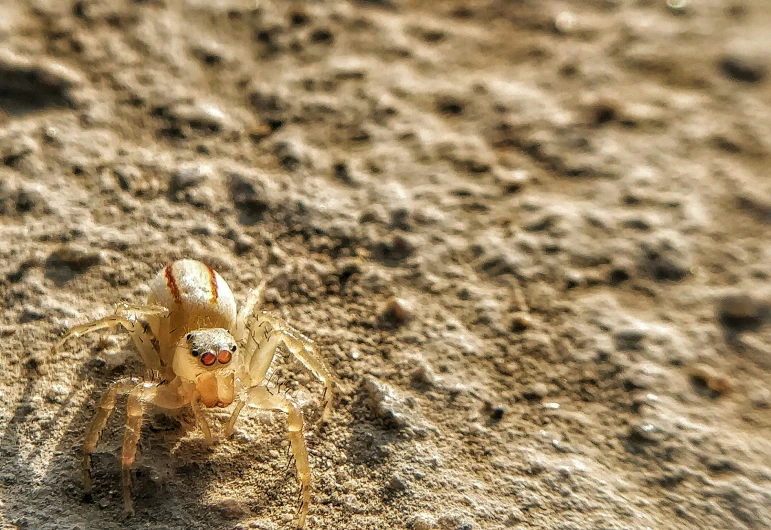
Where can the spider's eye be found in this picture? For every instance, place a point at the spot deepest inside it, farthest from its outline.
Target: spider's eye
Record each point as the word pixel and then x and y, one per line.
pixel 224 357
pixel 189 337
pixel 233 348
pixel 208 358
pixel 195 353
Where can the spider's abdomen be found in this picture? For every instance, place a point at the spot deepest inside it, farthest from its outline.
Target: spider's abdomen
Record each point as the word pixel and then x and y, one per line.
pixel 196 296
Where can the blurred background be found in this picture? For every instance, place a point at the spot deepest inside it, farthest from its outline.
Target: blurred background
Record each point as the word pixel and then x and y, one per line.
pixel 531 238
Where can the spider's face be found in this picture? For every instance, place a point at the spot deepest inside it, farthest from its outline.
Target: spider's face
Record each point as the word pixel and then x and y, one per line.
pixel 207 357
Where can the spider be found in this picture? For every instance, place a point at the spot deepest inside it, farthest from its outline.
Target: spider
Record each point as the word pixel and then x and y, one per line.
pixel 206 355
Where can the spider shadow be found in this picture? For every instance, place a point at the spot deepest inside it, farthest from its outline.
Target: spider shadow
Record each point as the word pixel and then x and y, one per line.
pixel 177 478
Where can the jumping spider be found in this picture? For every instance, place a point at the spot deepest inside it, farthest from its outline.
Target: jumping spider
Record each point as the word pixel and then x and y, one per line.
pixel 206 355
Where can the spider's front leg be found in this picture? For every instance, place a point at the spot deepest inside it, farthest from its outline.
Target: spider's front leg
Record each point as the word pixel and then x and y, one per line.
pixel 265 333
pixel 261 397
pixel 128 317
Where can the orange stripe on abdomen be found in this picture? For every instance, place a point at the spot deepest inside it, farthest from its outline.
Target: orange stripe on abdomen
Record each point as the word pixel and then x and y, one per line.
pixel 171 284
pixel 212 285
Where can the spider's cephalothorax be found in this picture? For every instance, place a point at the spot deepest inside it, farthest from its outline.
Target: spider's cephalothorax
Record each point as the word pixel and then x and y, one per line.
pixel 208 355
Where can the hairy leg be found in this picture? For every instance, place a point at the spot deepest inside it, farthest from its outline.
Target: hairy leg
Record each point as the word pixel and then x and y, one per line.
pixel 200 419
pixel 94 431
pixel 302 348
pixel 127 316
pixel 255 299
pixel 141 394
pixel 262 398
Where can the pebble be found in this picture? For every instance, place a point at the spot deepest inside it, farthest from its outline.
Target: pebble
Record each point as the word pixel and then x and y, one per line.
pixel 250 195
pixel 423 375
pixel 520 321
pixel 77 257
pixel 630 338
pixel 291 154
pixel 200 115
pixel 422 521
pixel 741 309
pixel 398 483
pixel 398 311
pixel 31 199
pixel 31 314
pixel 745 68
pixel 386 403
pixel 666 257
pixel 646 432
pixel 56 393
pixel 536 391
pixel 188 176
pixel 232 509
pixel 397 248
pixel 760 397
pixel 706 376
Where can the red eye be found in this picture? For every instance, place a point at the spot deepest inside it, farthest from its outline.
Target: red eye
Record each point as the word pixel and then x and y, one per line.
pixel 224 357
pixel 208 358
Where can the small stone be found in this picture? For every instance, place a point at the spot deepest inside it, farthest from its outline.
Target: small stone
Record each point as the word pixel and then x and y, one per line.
pixel 423 376
pixel 744 68
pixel 232 509
pixel 422 521
pixel 30 199
pixel 760 397
pixel 251 195
pixel 398 311
pixel 345 174
pixel 666 257
pixel 536 391
pixel 646 432
pixel 31 314
pixel 77 257
pixel 56 393
pixel 290 153
pixel 398 248
pixel 630 338
pixel 388 404
pixel 400 218
pixel 515 516
pixel 397 483
pixel 199 115
pixel 497 412
pixel 520 321
pixel 741 310
pixel 129 177
pixel 707 378
pixel 189 176
pixel 457 521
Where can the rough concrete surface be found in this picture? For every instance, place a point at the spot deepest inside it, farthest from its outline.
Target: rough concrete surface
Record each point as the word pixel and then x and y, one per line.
pixel 531 237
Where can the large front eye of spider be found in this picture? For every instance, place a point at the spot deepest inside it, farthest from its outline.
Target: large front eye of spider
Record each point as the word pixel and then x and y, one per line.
pixel 208 358
pixel 225 355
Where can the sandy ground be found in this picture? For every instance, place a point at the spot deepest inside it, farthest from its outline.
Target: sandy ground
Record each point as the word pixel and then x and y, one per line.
pixel 570 200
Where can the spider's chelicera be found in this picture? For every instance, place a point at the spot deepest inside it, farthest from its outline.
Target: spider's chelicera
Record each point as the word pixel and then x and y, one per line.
pixel 208 355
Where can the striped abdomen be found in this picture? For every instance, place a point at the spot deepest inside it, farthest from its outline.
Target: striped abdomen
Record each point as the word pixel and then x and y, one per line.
pixel 196 296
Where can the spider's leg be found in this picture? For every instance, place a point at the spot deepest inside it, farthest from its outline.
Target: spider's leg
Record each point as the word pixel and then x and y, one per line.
pixel 200 419
pixel 128 317
pixel 137 390
pixel 95 428
pixel 260 397
pixel 255 299
pixel 259 350
pixel 162 396
pixel 305 351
